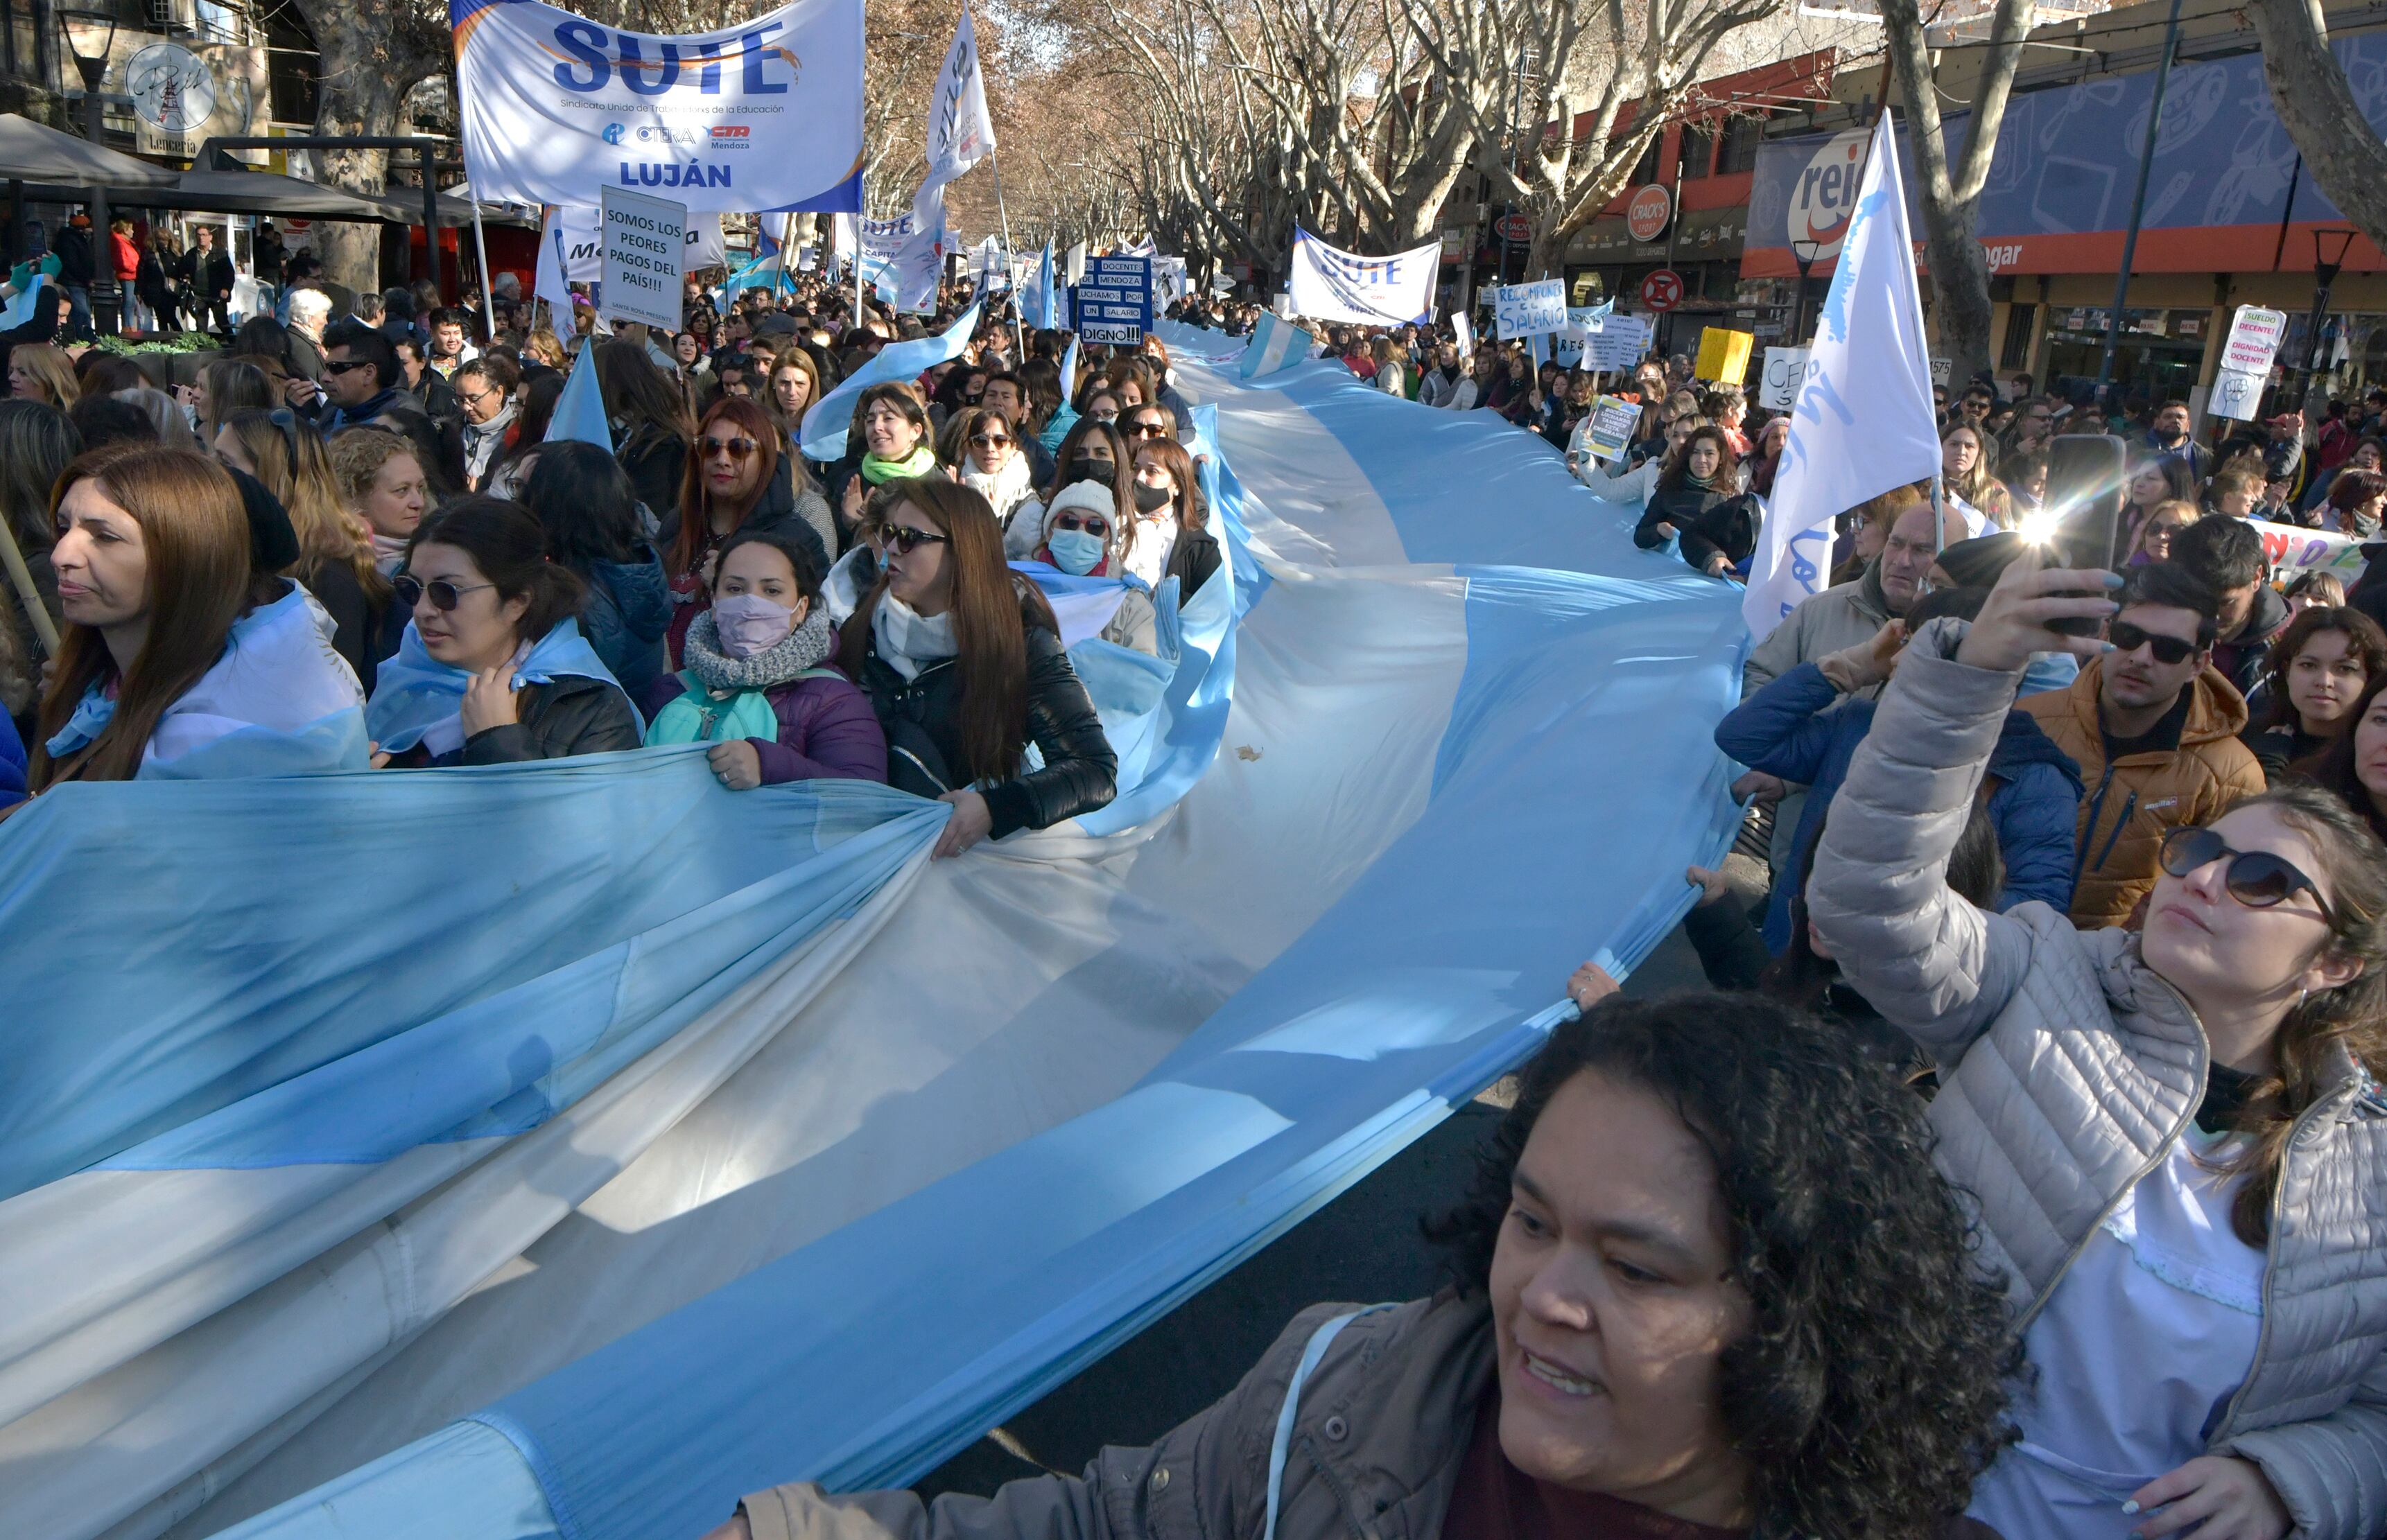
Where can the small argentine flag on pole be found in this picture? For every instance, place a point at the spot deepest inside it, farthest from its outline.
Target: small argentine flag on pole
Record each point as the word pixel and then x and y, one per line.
pixel 1276 344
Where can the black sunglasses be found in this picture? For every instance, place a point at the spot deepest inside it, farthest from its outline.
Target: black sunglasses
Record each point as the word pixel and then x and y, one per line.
pixel 2126 638
pixel 445 596
pixel 2257 878
pixel 904 539
pixel 1093 524
pixel 1148 429
pixel 342 366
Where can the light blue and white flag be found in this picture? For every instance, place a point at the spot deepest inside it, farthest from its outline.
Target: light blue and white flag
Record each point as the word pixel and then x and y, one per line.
pixel 826 424
pixel 580 410
pixel 20 308
pixel 1863 422
pixel 1069 370
pixel 1039 296
pixel 1276 344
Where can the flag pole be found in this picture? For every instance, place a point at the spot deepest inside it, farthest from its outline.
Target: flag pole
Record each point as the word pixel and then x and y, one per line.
pixel 1018 326
pixel 861 203
pixel 787 239
pixel 481 250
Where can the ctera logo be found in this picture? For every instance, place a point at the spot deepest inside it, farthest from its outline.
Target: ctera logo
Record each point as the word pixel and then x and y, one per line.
pixel 613 134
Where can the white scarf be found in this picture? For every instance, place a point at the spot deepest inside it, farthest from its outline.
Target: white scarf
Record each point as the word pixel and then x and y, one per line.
pixel 1001 489
pixel 1155 538
pixel 908 640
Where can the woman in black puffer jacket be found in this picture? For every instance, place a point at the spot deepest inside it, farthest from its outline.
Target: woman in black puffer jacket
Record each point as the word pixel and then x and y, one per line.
pixel 962 662
pixel 1698 498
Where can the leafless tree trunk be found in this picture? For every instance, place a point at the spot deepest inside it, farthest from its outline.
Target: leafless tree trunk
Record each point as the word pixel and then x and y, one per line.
pixel 372 57
pixel 1952 197
pixel 2342 151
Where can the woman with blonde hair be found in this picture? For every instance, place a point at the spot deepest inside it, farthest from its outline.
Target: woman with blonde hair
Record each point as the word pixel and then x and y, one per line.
pixel 165 669
pixel 224 387
pixel 42 372
pixel 381 483
pixel 335 546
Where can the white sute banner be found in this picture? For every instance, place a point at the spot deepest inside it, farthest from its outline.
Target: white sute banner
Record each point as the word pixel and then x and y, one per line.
pixel 764 114
pixel 1863 422
pixel 961 133
pixel 1328 285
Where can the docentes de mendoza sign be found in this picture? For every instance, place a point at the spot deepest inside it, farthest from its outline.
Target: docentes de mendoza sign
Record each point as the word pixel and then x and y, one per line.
pixel 763 115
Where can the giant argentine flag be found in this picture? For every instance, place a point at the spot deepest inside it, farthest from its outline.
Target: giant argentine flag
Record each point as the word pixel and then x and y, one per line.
pixel 489 1162
pixel 1863 422
pixel 766 114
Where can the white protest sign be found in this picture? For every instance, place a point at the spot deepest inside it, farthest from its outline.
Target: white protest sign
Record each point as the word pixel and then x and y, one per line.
pixel 1331 285
pixel 1464 331
pixel 1785 368
pixel 1530 309
pixel 2292 550
pixel 1583 321
pixel 1619 343
pixel 765 113
pixel 2254 341
pixel 1941 369
pixel 644 239
pixel 2235 394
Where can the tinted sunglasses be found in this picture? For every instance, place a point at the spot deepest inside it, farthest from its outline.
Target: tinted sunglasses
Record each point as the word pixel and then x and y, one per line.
pixel 737 448
pixel 344 365
pixel 904 539
pixel 1148 429
pixel 445 596
pixel 2257 878
pixel 1093 524
pixel 2126 638
pixel 990 440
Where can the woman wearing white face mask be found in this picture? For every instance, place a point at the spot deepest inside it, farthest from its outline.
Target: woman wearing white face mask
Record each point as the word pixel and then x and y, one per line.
pixel 1081 537
pixel 757 682
pixel 962 659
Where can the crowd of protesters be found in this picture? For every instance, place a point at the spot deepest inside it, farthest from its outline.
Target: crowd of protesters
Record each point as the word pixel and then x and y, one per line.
pixel 2018 1176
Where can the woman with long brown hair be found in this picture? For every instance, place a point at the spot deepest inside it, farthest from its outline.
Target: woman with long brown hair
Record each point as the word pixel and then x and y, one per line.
pixel 1172 528
pixel 336 555
pixel 651 425
pixel 962 660
pixel 152 570
pixel 736 479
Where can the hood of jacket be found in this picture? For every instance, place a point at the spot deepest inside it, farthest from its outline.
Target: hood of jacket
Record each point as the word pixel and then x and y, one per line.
pixel 640 592
pixel 2263 623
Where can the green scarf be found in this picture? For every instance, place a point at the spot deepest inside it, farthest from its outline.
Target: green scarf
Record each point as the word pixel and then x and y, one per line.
pixel 919 462
pixel 1705 483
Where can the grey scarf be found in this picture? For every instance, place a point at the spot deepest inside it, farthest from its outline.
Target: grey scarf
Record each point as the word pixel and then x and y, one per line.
pixel 805 647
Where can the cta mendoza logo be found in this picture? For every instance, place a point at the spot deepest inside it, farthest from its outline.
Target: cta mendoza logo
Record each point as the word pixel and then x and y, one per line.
pixel 731 136
pixel 1824 197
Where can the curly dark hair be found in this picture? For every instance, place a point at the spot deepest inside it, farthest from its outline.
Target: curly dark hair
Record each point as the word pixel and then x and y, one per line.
pixel 1872 1388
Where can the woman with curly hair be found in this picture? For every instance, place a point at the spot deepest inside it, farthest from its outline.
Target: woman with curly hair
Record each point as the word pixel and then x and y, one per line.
pixel 2173 1133
pixel 1708 1285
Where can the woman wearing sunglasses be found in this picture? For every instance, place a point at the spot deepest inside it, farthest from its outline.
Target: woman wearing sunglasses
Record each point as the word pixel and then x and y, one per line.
pixel 493 669
pixel 736 479
pixel 962 659
pixel 988 457
pixel 1082 537
pixel 1094 451
pixel 2174 1137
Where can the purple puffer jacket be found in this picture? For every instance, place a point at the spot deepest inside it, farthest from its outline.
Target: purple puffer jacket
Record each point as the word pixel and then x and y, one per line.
pixel 828 730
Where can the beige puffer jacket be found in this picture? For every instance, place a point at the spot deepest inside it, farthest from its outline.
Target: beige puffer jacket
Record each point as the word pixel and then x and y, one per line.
pixel 2067 1068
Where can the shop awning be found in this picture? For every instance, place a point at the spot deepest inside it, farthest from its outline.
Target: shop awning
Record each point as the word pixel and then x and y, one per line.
pixel 34 152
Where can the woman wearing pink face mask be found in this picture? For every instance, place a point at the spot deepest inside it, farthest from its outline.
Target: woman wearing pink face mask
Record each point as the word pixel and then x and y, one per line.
pixel 756 681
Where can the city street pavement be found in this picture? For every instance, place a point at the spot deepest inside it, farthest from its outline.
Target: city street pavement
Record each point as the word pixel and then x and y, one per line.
pixel 1365 1246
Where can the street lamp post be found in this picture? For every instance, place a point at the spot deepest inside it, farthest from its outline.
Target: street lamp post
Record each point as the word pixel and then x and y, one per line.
pixel 90 35
pixel 1806 254
pixel 2328 260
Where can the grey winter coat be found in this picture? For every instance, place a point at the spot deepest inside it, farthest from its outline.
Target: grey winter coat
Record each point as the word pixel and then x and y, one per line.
pixel 2068 1069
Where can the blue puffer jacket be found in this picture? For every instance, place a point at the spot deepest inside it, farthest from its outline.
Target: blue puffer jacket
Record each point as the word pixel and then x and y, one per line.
pixel 1789 729
pixel 624 616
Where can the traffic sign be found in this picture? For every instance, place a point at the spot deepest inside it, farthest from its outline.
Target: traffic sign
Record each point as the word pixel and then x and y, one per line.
pixel 1645 216
pixel 1661 291
pixel 1514 228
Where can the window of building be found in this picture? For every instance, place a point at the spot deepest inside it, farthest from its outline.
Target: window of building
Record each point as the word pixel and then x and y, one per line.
pixel 1647 171
pixel 2021 320
pixel 292 63
pixel 1699 150
pixel 1742 134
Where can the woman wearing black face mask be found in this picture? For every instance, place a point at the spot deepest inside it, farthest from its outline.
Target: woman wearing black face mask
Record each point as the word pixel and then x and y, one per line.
pixel 1093 451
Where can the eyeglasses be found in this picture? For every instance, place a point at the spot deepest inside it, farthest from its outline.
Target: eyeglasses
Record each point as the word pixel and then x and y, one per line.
pixel 904 539
pixel 2257 878
pixel 342 366
pixel 737 448
pixel 2126 638
pixel 1104 416
pixel 1093 524
pixel 989 441
pixel 445 596
pixel 476 397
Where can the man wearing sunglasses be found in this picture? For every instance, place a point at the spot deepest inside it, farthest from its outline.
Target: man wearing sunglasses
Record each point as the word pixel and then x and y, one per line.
pixel 2154 729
